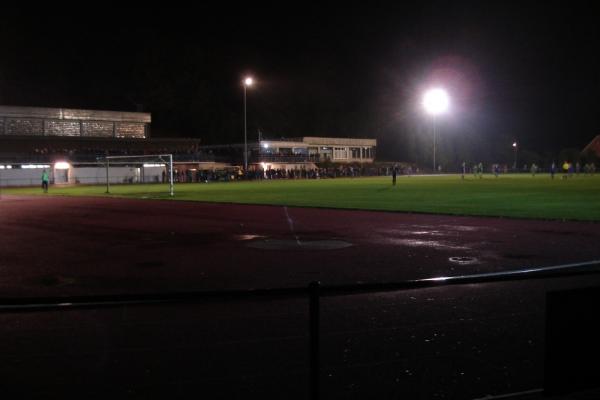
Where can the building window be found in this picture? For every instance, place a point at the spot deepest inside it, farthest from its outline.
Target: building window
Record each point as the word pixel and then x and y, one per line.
pixel 300 151
pixel 340 153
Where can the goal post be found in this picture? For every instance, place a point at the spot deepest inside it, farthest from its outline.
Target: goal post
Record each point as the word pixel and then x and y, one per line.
pixel 144 161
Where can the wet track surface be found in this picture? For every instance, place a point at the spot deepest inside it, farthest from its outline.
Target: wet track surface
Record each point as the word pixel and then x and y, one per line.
pixel 63 246
pixel 455 342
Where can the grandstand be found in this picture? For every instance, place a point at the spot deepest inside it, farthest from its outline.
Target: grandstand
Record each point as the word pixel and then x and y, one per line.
pixel 64 140
pixel 72 144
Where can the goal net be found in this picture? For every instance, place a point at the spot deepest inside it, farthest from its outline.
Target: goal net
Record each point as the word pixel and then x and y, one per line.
pixel 154 168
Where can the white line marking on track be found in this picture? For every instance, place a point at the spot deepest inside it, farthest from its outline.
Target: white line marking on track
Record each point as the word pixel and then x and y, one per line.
pixel 291 224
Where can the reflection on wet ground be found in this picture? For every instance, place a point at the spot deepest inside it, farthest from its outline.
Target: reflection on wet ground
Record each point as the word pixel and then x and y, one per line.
pixel 463 260
pixel 458 245
pixel 247 237
pixel 434 244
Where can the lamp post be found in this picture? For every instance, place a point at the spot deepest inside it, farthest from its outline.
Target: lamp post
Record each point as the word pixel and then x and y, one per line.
pixel 247 82
pixel 515 147
pixel 435 102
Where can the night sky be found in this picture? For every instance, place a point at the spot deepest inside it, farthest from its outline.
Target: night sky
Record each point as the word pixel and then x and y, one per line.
pixel 529 73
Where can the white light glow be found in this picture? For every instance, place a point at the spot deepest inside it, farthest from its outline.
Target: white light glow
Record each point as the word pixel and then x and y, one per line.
pixel 61 165
pixel 515 144
pixel 436 101
pixel 248 81
pixel 153 165
pixel 265 145
pixel 33 166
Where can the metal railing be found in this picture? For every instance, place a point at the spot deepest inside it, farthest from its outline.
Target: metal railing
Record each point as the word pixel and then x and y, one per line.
pixel 314 292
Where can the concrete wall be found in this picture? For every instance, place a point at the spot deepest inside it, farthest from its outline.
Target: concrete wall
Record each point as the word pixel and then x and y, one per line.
pixel 23 177
pixel 81 175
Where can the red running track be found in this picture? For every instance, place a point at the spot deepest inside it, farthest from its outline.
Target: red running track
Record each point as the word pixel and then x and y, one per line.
pixel 62 245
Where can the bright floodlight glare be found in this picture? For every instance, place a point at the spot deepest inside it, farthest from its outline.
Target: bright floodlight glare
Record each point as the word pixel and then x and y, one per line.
pixel 248 81
pixel 515 144
pixel 436 101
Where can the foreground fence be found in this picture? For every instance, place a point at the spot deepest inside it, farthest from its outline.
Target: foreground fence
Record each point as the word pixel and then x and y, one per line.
pixel 313 292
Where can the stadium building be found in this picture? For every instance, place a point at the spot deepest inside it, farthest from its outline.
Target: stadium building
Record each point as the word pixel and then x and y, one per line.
pixel 298 153
pixel 72 144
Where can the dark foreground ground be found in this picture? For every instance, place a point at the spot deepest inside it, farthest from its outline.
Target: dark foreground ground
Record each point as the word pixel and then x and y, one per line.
pixel 449 342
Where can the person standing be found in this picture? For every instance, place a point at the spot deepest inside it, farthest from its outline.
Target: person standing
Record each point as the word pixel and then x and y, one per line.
pixel 480 170
pixel 464 169
pixel 552 170
pixel 570 170
pixel 45 180
pixel 394 172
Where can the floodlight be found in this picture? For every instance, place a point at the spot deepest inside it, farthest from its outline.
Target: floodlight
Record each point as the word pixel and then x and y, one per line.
pixel 436 101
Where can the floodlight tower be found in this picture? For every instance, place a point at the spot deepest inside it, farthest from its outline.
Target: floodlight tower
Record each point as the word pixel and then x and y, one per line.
pixel 515 146
pixel 435 102
pixel 247 83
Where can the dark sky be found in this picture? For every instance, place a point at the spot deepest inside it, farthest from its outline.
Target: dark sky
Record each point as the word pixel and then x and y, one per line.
pixel 514 71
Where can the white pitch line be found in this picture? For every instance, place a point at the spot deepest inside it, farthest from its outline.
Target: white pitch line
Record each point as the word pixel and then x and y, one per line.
pixel 291 224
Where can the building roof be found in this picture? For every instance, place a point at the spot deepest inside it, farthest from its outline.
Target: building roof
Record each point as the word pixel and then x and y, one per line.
pixel 323 141
pixel 73 114
pixel 339 141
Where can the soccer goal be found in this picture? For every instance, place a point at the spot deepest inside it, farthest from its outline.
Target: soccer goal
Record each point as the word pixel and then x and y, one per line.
pixel 154 168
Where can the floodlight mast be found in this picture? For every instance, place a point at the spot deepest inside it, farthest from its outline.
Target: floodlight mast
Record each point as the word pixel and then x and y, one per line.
pixel 249 81
pixel 434 135
pixel 435 102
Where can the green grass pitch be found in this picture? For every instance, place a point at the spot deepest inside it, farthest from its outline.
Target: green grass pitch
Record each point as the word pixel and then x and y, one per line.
pixel 522 196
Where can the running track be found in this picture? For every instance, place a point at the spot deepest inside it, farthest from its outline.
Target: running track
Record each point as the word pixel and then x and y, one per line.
pixel 62 245
pixel 455 342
